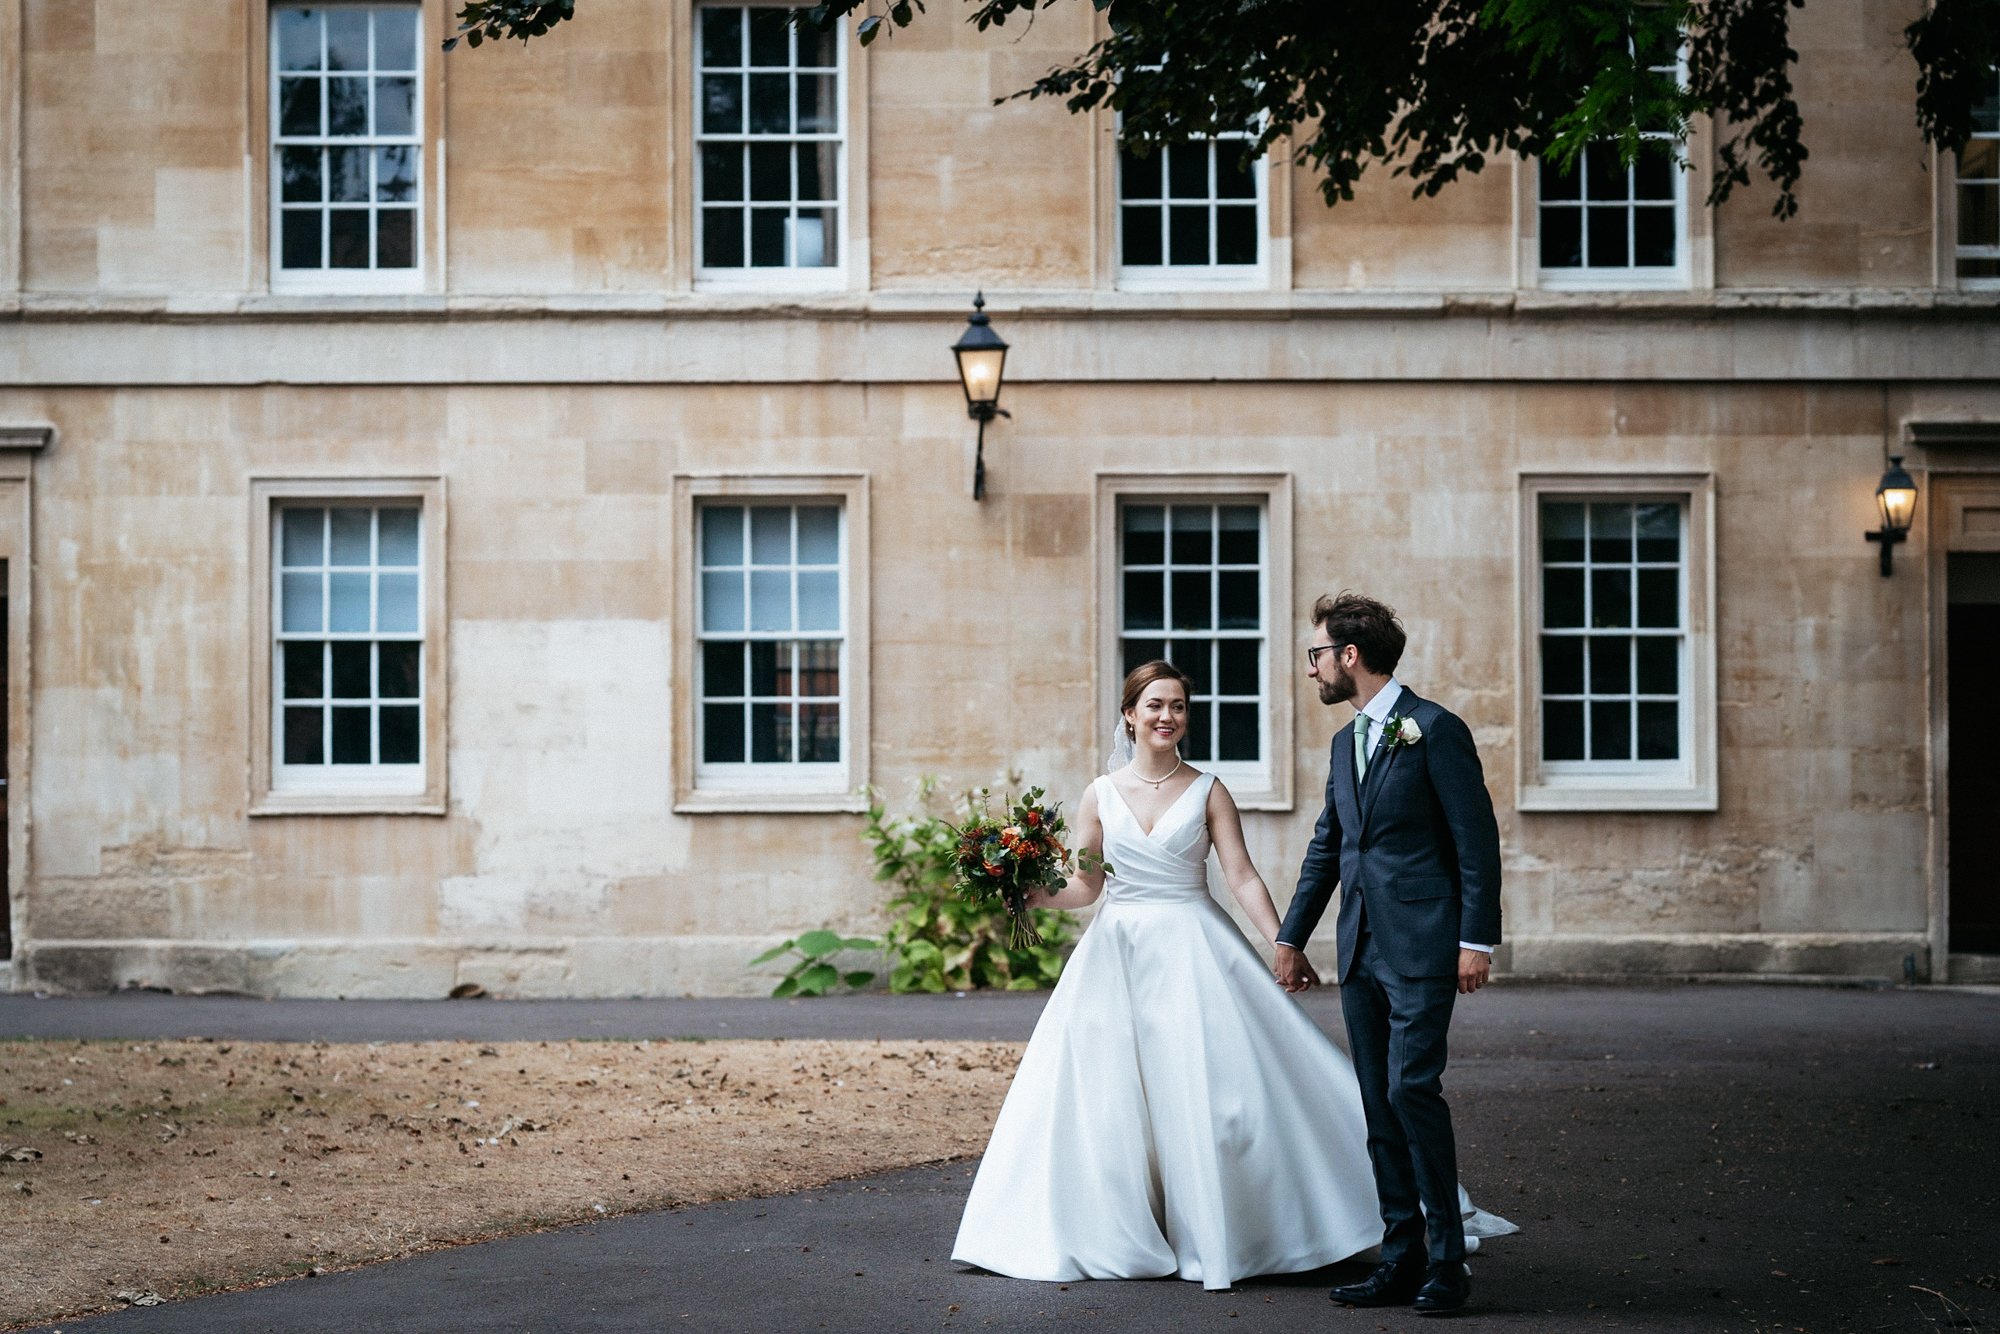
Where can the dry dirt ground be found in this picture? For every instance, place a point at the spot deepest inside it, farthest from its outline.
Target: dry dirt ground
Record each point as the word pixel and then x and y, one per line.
pixel 133 1171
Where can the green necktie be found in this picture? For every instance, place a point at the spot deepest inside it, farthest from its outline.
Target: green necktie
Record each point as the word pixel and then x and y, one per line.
pixel 1360 748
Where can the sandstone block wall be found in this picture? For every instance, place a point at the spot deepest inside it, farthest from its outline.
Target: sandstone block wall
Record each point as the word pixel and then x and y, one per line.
pixel 562 367
pixel 561 868
pixel 565 165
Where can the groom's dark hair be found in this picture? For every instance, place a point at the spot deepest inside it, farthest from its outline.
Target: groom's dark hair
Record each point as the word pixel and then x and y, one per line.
pixel 1369 625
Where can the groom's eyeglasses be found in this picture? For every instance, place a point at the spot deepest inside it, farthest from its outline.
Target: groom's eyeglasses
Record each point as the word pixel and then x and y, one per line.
pixel 1312 654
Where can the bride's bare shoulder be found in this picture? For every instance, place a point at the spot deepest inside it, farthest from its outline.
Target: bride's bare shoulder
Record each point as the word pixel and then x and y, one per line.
pixel 1218 795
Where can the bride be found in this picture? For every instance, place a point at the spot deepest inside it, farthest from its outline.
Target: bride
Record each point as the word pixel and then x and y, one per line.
pixel 1175 1112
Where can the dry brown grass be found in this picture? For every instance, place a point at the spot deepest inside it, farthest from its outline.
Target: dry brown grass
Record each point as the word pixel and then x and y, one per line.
pixel 182 1167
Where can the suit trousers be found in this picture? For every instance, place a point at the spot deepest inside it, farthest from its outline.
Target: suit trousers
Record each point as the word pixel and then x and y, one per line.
pixel 1396 1031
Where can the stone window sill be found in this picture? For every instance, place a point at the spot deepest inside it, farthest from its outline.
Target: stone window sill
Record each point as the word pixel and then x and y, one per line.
pixel 771 803
pixel 1580 797
pixel 355 804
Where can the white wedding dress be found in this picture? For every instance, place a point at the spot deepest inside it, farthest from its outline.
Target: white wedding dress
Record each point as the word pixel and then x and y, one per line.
pixel 1175 1111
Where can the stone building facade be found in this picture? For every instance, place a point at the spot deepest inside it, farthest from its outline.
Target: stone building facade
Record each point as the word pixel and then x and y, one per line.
pixel 484 517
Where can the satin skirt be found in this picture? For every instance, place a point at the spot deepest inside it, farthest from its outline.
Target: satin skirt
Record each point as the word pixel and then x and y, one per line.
pixel 1175 1112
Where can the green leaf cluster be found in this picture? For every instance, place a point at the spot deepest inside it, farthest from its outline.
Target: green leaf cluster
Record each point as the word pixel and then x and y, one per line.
pixel 1956 44
pixel 480 20
pixel 937 939
pixel 812 972
pixel 900 12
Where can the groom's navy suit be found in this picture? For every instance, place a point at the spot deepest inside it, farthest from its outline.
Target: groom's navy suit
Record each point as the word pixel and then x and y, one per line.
pixel 1416 851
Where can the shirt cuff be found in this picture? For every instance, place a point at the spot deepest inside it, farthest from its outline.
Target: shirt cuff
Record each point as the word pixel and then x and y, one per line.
pixel 1468 945
pixel 1288 944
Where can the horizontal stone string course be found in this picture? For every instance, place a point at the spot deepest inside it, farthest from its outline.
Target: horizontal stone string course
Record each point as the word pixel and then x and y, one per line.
pixel 885 348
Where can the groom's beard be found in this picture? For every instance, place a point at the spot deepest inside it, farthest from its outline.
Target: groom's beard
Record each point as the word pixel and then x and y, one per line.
pixel 1337 689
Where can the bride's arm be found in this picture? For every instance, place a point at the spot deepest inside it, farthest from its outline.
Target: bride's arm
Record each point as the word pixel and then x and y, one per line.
pixel 1225 830
pixel 1083 887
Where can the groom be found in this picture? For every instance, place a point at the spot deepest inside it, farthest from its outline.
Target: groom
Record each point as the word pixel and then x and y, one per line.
pixel 1408 833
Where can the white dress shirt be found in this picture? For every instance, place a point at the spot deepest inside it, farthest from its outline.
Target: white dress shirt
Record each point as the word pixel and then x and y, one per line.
pixel 1379 711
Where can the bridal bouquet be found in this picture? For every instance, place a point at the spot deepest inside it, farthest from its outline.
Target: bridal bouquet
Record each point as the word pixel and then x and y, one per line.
pixel 1006 856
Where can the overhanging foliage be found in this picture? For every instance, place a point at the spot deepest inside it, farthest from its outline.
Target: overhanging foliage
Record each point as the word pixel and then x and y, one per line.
pixel 1439 89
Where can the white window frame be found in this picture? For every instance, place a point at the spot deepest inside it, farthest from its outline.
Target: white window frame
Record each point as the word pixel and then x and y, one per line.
pixel 1635 766
pixel 281 789
pixel 1961 253
pixel 783 278
pixel 332 281
pixel 403 778
pixel 1171 277
pixel 1598 278
pixel 1266 784
pixel 1686 783
pixel 701 787
pixel 753 774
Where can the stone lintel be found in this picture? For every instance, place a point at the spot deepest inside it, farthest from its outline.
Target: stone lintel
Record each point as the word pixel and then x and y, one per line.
pixel 1954 435
pixel 29 435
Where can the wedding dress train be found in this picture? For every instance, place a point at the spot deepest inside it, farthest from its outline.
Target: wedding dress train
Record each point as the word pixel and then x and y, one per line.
pixel 1175 1111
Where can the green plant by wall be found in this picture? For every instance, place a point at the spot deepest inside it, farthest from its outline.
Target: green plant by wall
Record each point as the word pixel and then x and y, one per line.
pixel 812 973
pixel 937 940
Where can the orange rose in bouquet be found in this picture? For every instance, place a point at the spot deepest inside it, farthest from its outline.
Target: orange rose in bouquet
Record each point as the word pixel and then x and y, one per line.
pixel 1005 857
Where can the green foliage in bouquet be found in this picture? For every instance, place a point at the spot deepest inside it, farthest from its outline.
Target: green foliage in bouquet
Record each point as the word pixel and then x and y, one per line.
pixel 812 972
pixel 939 940
pixel 1008 857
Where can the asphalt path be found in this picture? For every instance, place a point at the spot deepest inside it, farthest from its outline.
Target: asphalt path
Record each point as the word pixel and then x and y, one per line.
pixel 139 1015
pixel 1680 1158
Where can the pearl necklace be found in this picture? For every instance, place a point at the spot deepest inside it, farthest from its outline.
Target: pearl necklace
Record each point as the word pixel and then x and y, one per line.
pixel 1179 763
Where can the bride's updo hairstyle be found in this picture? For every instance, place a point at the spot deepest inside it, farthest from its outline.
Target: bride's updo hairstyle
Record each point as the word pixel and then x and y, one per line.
pixel 1136 681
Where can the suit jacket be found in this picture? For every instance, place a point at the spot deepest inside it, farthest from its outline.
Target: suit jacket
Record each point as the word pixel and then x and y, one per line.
pixel 1415 846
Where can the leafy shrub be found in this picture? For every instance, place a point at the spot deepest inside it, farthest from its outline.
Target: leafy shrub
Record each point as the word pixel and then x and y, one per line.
pixel 812 974
pixel 937 940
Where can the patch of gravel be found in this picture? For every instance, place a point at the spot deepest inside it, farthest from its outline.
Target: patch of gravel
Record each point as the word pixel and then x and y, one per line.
pixel 176 1168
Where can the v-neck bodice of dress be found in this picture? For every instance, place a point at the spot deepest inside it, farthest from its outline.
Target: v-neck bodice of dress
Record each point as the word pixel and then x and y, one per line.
pixel 1169 864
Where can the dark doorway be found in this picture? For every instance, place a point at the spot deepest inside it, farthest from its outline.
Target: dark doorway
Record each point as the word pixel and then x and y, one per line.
pixel 1972 787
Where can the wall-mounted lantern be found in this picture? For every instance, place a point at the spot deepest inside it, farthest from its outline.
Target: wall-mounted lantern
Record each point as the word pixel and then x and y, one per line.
pixel 1896 497
pixel 982 362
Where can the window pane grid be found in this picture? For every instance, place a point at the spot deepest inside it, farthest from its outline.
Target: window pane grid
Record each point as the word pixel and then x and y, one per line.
pixel 1192 582
pixel 1978 191
pixel 1614 613
pixel 1192 205
pixel 1605 214
pixel 769 140
pixel 770 618
pixel 346 137
pixel 349 639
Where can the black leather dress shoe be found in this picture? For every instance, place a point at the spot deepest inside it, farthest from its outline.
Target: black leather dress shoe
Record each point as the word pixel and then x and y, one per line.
pixel 1446 1289
pixel 1390 1285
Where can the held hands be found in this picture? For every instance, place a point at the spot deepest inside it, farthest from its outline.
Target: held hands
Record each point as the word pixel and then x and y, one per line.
pixel 1294 971
pixel 1474 966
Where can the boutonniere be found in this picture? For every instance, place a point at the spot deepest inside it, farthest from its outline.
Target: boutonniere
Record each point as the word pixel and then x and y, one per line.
pixel 1401 731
